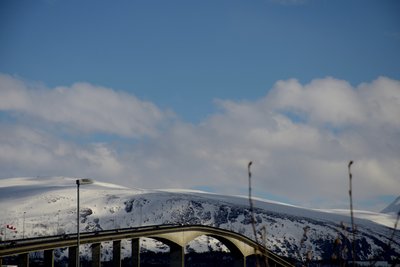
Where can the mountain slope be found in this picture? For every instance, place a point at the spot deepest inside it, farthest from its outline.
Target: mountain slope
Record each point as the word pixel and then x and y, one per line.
pixel 393 207
pixel 47 206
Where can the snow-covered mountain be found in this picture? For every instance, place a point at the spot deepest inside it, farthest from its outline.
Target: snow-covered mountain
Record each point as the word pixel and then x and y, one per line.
pixel 47 206
pixel 393 208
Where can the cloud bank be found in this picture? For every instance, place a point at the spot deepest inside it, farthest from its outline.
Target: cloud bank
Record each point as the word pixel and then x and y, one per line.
pixel 299 136
pixel 83 107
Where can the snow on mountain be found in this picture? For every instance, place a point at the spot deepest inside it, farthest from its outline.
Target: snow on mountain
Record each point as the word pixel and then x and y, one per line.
pixel 47 206
pixel 393 207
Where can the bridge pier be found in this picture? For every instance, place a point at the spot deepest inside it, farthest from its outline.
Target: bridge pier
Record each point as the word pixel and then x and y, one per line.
pixel 239 262
pixel 23 260
pixel 177 255
pixel 136 252
pixel 96 256
pixel 72 256
pixel 117 253
pixel 49 258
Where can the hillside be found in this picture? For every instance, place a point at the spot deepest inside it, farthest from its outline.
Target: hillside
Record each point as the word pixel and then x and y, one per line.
pixel 47 206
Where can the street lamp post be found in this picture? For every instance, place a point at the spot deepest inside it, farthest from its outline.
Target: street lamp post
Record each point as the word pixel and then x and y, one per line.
pixel 23 226
pixel 78 183
pixel 58 223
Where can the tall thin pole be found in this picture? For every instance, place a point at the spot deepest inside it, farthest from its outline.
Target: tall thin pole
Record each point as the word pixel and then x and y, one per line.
pixel 58 223
pixel 77 224
pixel 253 221
pixel 78 183
pixel 353 252
pixel 23 227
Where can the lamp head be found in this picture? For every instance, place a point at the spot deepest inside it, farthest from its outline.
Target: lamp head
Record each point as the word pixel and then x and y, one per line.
pixel 84 181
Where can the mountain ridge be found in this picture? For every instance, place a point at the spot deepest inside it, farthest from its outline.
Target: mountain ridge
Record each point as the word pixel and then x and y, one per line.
pixel 48 206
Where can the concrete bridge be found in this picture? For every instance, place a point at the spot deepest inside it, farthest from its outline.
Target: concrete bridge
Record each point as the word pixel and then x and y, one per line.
pixel 175 236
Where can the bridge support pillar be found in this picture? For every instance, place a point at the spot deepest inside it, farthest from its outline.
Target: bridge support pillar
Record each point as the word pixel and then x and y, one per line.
pixel 177 256
pixel 136 252
pixel 117 253
pixel 49 258
pixel 23 260
pixel 239 262
pixel 72 256
pixel 96 261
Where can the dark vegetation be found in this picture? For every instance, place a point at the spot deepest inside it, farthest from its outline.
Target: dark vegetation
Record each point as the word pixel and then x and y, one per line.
pixel 343 251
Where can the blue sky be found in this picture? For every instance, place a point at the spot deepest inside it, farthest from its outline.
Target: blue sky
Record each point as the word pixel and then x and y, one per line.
pixel 169 82
pixel 183 54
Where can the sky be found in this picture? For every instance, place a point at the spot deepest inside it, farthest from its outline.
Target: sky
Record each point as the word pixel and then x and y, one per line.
pixel 183 94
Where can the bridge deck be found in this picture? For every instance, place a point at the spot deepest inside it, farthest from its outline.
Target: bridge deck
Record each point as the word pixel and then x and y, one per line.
pixel 176 234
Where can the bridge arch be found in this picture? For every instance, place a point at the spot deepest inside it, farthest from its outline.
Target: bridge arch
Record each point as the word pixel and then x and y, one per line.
pixel 233 243
pixel 178 241
pixel 176 251
pixel 238 257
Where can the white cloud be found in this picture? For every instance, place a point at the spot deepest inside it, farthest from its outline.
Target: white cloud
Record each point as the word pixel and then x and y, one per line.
pixel 300 138
pixel 31 152
pixel 327 100
pixel 83 107
pixel 337 103
pixel 381 99
pixel 303 160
